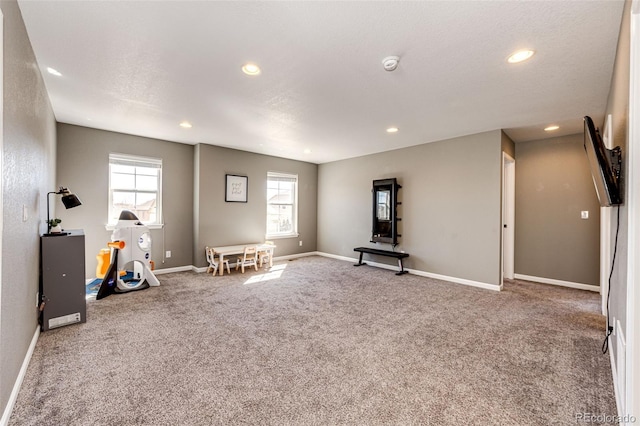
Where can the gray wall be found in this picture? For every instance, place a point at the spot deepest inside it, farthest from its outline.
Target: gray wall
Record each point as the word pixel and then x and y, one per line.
pixel 28 169
pixel 553 185
pixel 450 208
pixel 83 167
pixel 194 211
pixel 618 107
pixel 221 223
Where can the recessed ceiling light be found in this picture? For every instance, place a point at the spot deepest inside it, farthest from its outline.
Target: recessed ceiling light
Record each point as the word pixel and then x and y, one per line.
pixel 551 128
pixel 520 55
pixel 186 125
pixel 392 130
pixel 251 69
pixel 307 151
pixel 390 63
pixel 54 72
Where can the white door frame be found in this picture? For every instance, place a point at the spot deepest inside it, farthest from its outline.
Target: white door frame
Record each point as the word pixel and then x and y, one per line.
pixel 508 216
pixel 1 151
pixel 632 379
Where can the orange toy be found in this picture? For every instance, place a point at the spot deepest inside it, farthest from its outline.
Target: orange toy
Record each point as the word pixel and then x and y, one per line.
pixel 104 259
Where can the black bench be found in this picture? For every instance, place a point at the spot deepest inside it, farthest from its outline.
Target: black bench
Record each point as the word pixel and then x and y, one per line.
pixel 379 252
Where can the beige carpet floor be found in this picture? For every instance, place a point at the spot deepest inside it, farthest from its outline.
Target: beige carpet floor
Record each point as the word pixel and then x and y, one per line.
pixel 316 341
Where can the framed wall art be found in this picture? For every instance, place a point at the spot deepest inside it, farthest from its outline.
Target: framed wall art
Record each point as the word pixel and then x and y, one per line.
pixel 236 189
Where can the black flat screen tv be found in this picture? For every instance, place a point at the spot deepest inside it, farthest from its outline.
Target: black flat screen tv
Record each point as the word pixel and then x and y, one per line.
pixel 605 166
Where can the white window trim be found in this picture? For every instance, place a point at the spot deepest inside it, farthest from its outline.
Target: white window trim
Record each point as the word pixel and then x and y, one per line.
pixel 294 233
pixel 281 236
pixel 145 161
pixel 109 227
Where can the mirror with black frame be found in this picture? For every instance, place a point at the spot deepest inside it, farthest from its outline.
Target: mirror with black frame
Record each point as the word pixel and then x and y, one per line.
pixel 385 220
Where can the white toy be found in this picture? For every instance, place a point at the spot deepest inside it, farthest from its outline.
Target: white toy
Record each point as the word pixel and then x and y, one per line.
pixel 130 251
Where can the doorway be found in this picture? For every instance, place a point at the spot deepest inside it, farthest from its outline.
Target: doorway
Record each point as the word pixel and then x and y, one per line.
pixel 508 216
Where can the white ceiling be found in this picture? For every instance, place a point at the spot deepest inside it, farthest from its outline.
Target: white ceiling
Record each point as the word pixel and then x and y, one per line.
pixel 142 67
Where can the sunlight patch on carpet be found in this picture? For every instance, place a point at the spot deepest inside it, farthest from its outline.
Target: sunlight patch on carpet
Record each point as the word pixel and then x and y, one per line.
pixel 274 273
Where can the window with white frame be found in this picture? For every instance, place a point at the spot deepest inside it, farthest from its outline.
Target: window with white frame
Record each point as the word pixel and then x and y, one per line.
pixel 135 184
pixel 282 205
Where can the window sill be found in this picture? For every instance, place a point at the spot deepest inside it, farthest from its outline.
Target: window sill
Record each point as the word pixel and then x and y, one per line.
pixel 154 226
pixel 282 236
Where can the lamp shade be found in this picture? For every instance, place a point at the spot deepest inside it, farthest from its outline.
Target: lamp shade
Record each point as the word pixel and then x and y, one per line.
pixel 70 200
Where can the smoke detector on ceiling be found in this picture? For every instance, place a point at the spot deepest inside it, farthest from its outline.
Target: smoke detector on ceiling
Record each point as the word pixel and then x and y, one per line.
pixel 390 63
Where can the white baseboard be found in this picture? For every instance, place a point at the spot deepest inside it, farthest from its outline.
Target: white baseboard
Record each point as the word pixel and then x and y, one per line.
pixel 561 283
pixel 455 280
pixel 296 256
pixel 335 256
pixel 164 271
pixel 614 374
pixel 619 383
pixel 4 421
pixel 172 270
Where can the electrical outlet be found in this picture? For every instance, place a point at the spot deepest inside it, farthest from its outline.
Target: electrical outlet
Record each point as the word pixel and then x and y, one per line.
pixel 584 214
pixel 300 243
pixel 167 254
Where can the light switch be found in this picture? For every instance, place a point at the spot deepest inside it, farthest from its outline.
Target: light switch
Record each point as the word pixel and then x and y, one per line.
pixel 584 214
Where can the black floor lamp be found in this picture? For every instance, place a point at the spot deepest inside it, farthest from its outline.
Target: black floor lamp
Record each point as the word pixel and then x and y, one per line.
pixel 69 200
